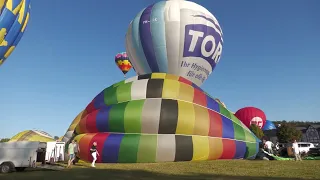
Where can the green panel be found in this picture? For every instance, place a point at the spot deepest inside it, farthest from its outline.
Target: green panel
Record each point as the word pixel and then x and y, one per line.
pixel 147 148
pixel 238 132
pixel 110 96
pixel 132 116
pixel 124 92
pixel 224 111
pixel 118 83
pixel 251 149
pixel 235 119
pixel 249 136
pixel 129 148
pixel 116 117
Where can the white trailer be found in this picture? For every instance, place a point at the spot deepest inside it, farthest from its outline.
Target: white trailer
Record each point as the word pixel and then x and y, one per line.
pixel 55 152
pixel 19 155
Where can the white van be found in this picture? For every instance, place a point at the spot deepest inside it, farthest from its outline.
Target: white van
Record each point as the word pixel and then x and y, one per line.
pixel 19 155
pixel 305 146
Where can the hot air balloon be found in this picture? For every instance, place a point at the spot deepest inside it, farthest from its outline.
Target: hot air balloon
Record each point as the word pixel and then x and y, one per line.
pixel 14 18
pixel 162 114
pixel 251 115
pixel 32 135
pixel 161 117
pixel 123 62
pixel 175 37
pixel 269 126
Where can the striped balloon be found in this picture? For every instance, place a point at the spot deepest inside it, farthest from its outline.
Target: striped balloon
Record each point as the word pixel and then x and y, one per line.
pixel 175 37
pixel 161 117
pixel 123 62
pixel 14 18
pixel 32 135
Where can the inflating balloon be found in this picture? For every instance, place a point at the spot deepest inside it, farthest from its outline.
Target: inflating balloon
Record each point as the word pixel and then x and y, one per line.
pixel 161 117
pixel 251 115
pixel 32 135
pixel 175 37
pixel 123 62
pixel 14 18
pixel 269 126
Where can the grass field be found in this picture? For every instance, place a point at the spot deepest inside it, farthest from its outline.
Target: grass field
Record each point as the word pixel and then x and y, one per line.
pixel 231 169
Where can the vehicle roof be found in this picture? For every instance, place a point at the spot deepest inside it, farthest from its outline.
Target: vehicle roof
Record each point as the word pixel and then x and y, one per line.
pixel 20 144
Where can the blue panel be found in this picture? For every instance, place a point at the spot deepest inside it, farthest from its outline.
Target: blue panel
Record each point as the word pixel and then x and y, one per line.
pixel 111 148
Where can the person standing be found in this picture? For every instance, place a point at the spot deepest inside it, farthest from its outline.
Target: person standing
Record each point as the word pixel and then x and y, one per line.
pixel 268 146
pixel 71 153
pixel 296 151
pixel 76 152
pixel 94 153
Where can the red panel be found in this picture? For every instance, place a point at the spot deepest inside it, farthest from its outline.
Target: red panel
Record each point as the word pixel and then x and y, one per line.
pixel 229 149
pixel 184 80
pixel 91 123
pixel 84 146
pixel 90 108
pixel 215 129
pixel 199 98
pixel 100 138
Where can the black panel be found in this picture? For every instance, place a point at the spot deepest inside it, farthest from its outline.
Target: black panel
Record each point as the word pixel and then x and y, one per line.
pixel 144 76
pixel 168 117
pixel 184 148
pixel 154 88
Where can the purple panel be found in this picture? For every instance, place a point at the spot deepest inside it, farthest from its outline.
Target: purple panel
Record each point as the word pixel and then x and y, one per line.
pixel 102 119
pixel 240 150
pixel 99 100
pixel 207 31
pixel 146 38
pixel 212 104
pixel 227 128
pixel 111 148
pixel 210 20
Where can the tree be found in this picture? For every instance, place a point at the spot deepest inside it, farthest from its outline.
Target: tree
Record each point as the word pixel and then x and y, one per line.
pixel 56 138
pixel 256 131
pixel 287 133
pixel 5 140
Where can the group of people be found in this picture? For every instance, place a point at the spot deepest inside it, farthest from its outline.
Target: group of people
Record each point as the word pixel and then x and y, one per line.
pixel 74 150
pixel 270 147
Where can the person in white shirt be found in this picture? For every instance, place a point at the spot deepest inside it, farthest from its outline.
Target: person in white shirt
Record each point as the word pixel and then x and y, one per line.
pixel 296 151
pixel 268 145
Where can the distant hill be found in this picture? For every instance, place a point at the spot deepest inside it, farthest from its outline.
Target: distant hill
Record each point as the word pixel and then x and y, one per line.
pixel 298 123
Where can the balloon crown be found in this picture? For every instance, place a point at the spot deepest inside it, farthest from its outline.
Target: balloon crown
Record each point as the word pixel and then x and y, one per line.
pixel 176 37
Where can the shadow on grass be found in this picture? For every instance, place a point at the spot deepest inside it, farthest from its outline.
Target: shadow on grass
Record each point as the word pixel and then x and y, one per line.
pixel 116 174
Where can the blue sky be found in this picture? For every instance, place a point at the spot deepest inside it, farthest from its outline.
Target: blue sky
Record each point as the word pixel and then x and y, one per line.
pixel 270 60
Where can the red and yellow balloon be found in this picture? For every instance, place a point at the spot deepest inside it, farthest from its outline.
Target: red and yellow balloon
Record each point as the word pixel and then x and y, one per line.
pixel 123 62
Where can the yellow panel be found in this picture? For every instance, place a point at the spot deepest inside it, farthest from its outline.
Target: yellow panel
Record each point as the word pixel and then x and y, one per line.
pixel 170 89
pixel 215 148
pixel 186 92
pixel 186 118
pixel 173 77
pixel 158 75
pixel 202 122
pixel 78 137
pixel 200 148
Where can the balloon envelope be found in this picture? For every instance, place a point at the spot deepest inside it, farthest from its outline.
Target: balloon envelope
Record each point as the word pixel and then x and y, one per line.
pixel 251 115
pixel 123 62
pixel 161 117
pixel 175 37
pixel 269 126
pixel 14 18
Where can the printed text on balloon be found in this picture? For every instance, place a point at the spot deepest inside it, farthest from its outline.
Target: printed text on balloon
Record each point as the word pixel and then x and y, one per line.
pixel 204 42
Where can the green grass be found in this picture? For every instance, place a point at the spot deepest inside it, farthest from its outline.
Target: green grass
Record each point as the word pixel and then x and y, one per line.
pixel 221 169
